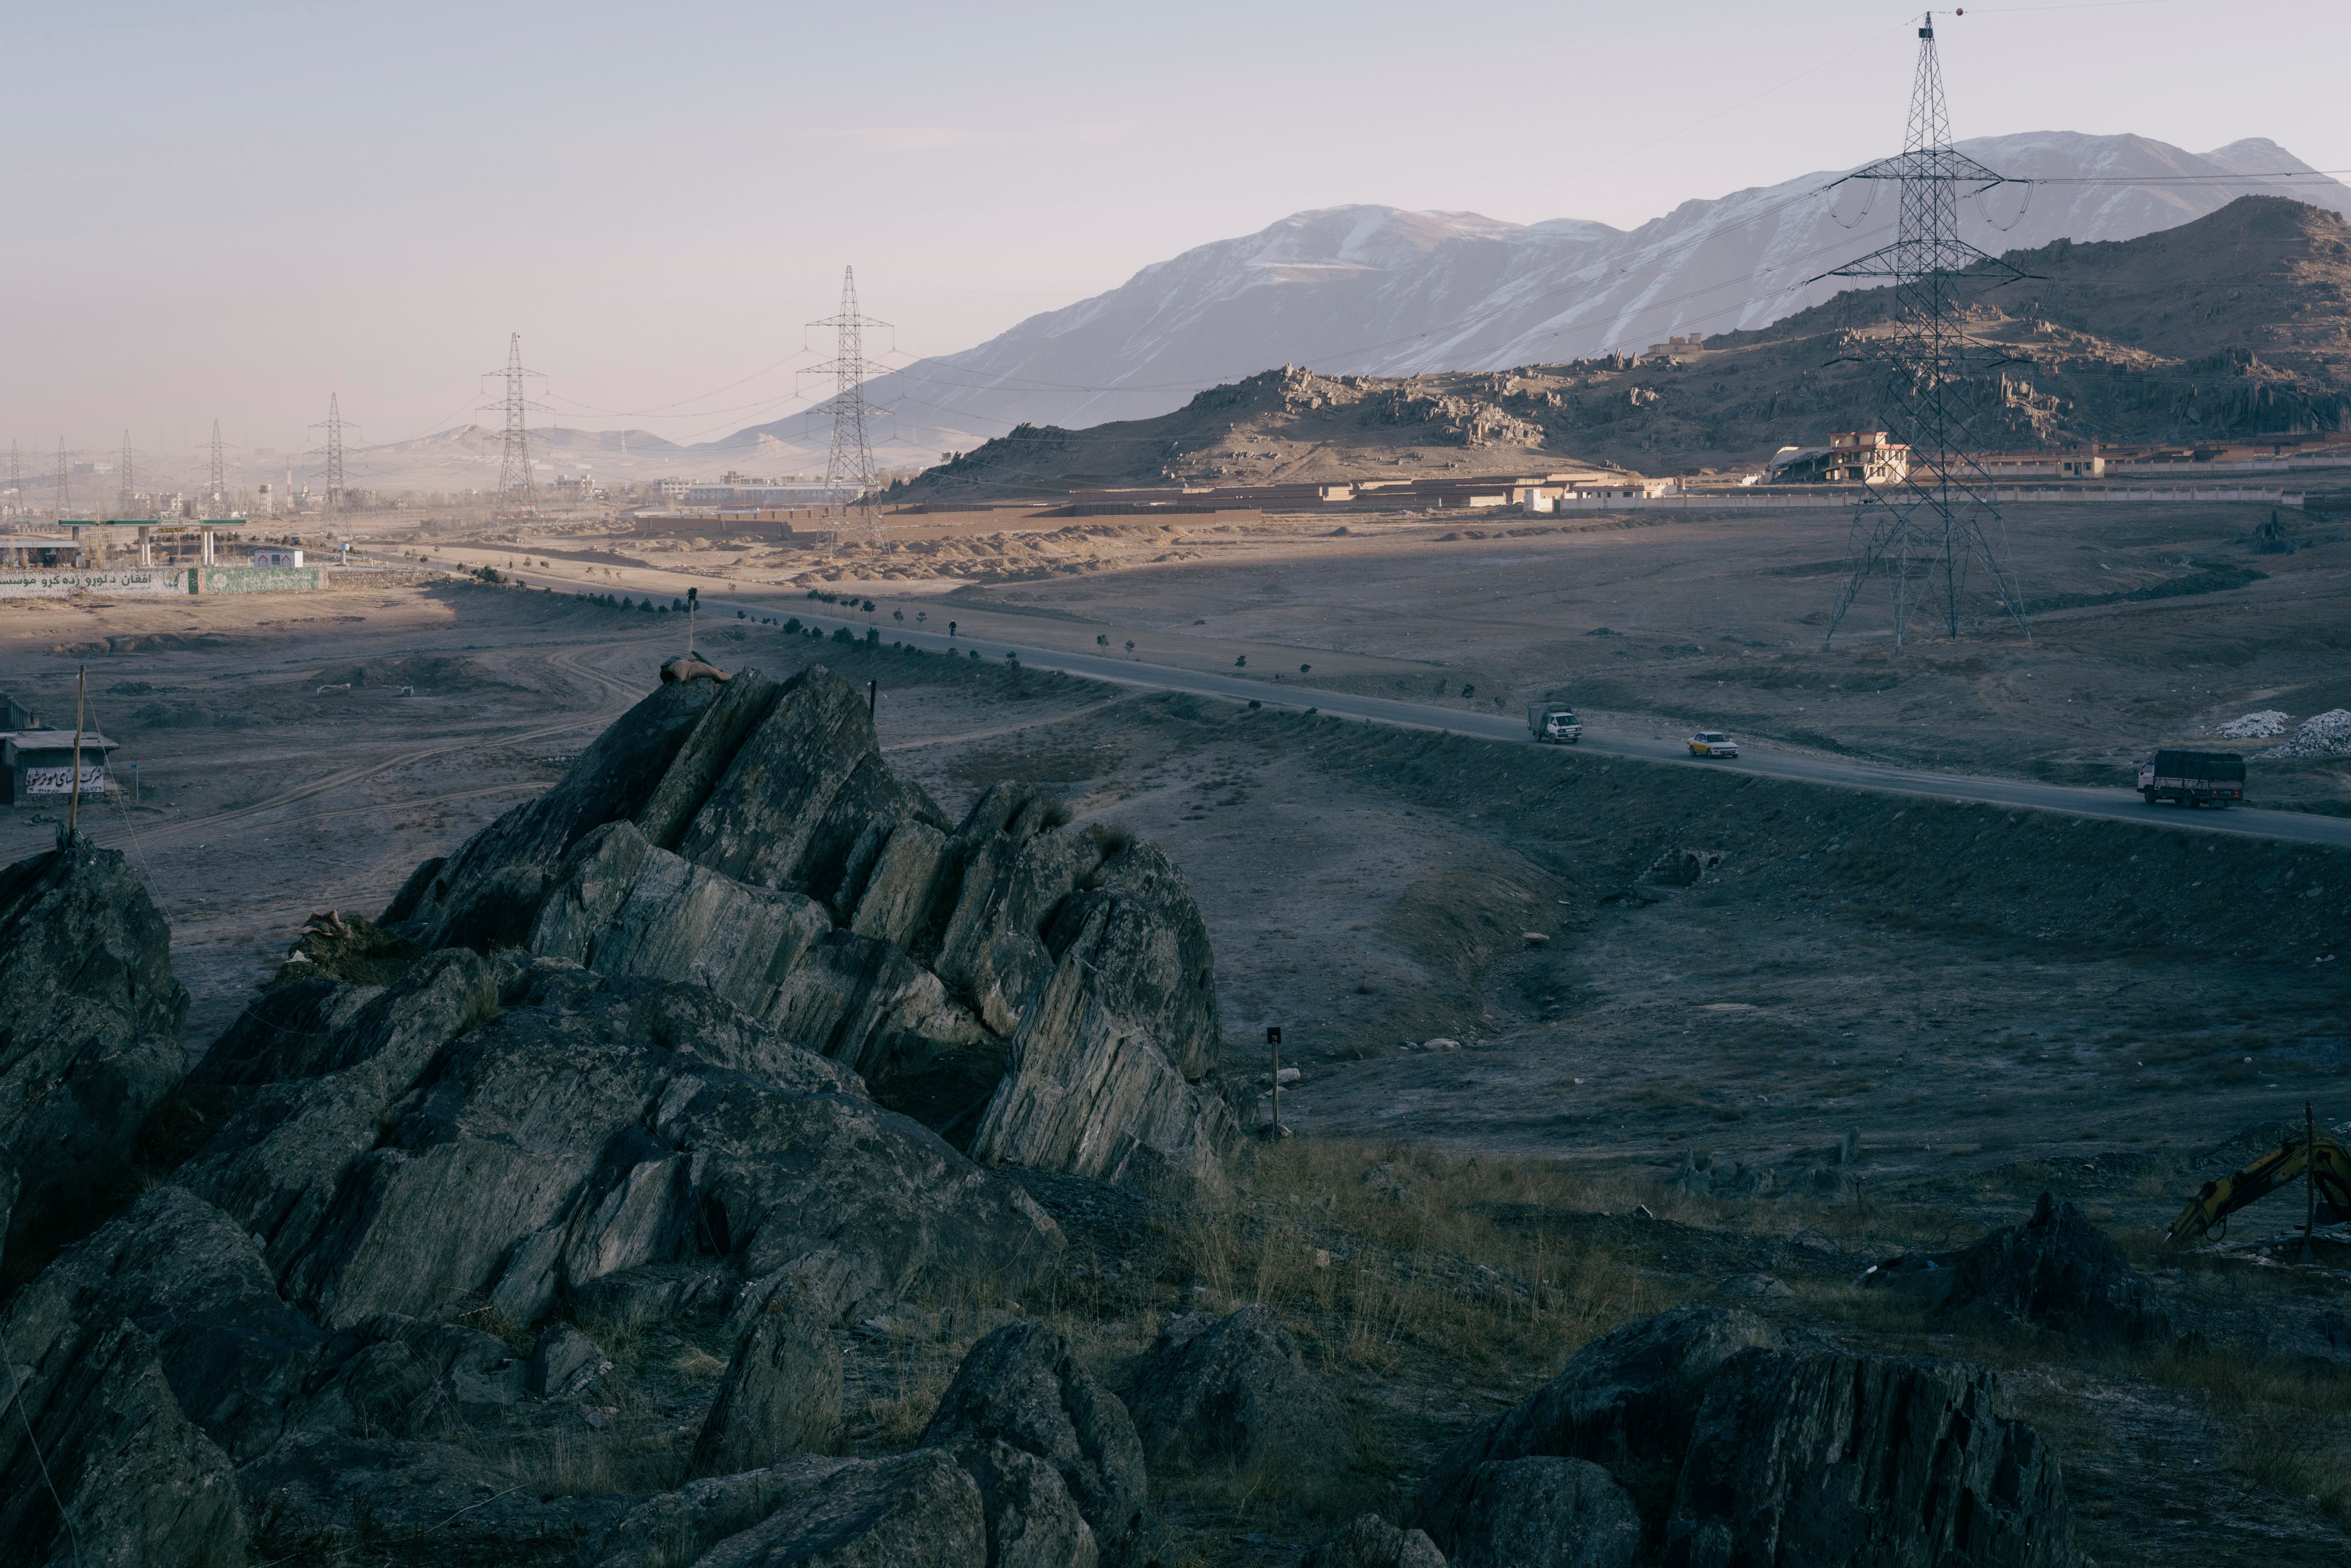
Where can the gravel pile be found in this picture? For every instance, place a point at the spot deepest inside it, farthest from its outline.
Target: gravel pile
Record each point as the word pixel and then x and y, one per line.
pixel 2255 725
pixel 2327 735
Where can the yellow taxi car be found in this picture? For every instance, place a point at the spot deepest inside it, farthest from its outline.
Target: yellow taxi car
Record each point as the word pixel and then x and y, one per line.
pixel 1713 743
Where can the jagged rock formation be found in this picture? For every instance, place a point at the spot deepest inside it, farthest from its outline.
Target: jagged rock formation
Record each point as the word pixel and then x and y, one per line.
pixel 1731 1451
pixel 89 1016
pixel 2057 1272
pixel 1021 1387
pixel 1044 999
pixel 1370 1541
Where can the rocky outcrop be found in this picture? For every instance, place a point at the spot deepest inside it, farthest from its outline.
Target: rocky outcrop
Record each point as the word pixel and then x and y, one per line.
pixel 2060 1272
pixel 1844 1461
pixel 89 1018
pixel 1022 1386
pixel 916 1511
pixel 1732 1452
pixel 780 1397
pixel 1032 1520
pixel 1544 1513
pixel 1625 1401
pixel 1233 1391
pixel 1371 1541
pixel 574 1137
pixel 1046 998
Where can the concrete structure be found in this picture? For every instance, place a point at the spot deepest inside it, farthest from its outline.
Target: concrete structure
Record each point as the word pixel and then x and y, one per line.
pixel 277 558
pixel 1672 346
pixel 1852 457
pixel 37 763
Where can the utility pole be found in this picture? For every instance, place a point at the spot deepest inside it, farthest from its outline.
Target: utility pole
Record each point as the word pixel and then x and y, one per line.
pixel 216 498
pixel 516 491
pixel 849 476
pixel 1925 527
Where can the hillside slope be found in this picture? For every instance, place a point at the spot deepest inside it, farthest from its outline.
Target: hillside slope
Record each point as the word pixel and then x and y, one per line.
pixel 2233 326
pixel 1372 289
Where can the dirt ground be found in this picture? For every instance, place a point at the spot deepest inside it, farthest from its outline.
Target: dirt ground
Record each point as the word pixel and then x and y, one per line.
pixel 1994 1002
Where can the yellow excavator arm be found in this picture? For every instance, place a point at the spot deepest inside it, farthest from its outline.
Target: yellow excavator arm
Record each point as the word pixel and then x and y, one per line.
pixel 2280 1167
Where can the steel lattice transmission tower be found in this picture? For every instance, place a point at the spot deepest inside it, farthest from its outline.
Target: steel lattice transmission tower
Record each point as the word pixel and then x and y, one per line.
pixel 126 494
pixel 1926 529
pixel 216 499
pixel 516 493
pixel 850 479
pixel 65 492
pixel 334 425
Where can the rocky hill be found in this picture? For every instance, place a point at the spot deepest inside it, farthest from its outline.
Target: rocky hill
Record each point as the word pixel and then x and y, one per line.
pixel 2234 327
pixel 563 1218
pixel 1374 290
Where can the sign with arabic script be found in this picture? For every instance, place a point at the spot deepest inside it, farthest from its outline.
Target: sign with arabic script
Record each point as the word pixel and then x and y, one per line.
pixel 60 780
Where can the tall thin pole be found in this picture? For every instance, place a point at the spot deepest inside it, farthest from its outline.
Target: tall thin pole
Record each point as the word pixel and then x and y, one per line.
pixel 73 803
pixel 126 496
pixel 65 494
pixel 216 501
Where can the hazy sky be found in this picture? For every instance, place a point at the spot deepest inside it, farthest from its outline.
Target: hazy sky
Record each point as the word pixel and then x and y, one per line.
pixel 231 210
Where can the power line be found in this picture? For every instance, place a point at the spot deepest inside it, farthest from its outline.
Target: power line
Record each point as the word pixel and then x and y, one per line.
pixel 1922 524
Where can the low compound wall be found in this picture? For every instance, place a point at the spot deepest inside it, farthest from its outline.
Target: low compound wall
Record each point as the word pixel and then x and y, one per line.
pixel 259 578
pixel 36 582
pixel 41 582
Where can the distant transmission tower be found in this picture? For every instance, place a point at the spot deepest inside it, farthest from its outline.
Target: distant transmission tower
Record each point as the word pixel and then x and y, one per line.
pixel 126 496
pixel 216 499
pixel 516 491
pixel 65 492
pixel 851 479
pixel 16 477
pixel 334 425
pixel 1924 530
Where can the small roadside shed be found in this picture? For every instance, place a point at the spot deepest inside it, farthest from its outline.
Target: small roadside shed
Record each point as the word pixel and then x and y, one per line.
pixel 34 763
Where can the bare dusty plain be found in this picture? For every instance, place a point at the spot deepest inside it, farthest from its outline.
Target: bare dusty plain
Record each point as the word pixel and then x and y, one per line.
pixel 1475 950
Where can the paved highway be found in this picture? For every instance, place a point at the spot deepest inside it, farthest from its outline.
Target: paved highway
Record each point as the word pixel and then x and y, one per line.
pixel 2121 804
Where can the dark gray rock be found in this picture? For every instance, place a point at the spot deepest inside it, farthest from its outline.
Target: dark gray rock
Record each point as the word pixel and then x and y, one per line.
pixel 409 1377
pixel 695 1290
pixel 804 785
pixel 487 894
pixel 674 1527
pixel 1840 1460
pixel 1233 1390
pixel 563 1362
pixel 575 1137
pixel 1625 1401
pixel 781 1396
pixel 1370 1541
pixel 1023 1385
pixel 2060 1272
pixel 139 1482
pixel 1108 1043
pixel 1032 1521
pixel 196 1286
pixel 89 1018
pixel 916 1511
pixel 322 1498
pixel 843 1203
pixel 1543 1513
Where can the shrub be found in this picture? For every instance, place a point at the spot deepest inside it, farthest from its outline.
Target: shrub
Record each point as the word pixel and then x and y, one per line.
pixel 841 634
pixel 792 627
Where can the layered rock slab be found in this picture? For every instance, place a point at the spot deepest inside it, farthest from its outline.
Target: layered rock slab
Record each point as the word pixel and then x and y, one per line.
pixel 1047 997
pixel 89 1018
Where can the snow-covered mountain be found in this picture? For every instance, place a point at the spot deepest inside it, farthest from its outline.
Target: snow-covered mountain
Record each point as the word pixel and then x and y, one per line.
pixel 1377 290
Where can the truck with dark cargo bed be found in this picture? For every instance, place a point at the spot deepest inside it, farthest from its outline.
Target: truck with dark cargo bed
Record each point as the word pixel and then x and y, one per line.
pixel 2193 777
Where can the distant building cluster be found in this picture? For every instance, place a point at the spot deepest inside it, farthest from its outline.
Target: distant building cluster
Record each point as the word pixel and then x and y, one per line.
pixel 1851 457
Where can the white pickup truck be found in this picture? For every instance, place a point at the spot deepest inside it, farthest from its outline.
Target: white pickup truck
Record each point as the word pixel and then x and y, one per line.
pixel 1551 723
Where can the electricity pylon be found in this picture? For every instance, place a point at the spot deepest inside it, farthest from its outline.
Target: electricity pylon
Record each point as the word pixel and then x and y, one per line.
pixel 126 494
pixel 65 493
pixel 1925 528
pixel 850 479
pixel 516 493
pixel 334 425
pixel 216 499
